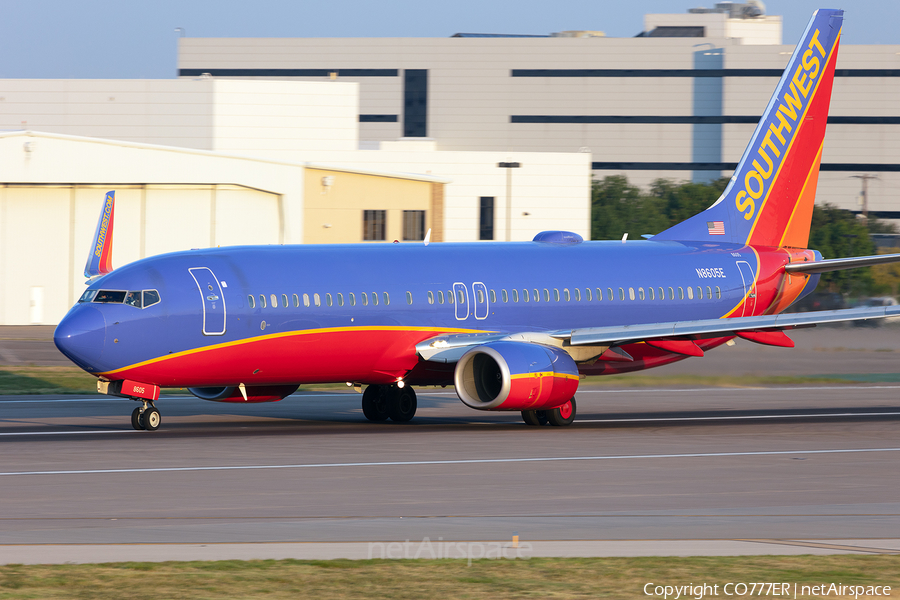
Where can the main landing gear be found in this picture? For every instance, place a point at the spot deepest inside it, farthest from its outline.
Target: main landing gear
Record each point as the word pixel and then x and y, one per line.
pixel 558 417
pixel 146 416
pixel 383 402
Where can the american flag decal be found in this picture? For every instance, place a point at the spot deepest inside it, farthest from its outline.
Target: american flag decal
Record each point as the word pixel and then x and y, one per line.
pixel 716 227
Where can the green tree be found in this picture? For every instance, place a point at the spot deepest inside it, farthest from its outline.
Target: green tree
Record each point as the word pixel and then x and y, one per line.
pixel 618 207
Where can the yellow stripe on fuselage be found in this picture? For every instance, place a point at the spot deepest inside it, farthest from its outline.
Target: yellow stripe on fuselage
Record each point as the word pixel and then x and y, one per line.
pixel 271 336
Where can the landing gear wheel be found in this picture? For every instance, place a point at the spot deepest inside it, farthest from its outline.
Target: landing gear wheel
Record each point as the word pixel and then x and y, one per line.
pixel 374 403
pixel 402 404
pixel 535 418
pixel 137 419
pixel 562 415
pixel 151 419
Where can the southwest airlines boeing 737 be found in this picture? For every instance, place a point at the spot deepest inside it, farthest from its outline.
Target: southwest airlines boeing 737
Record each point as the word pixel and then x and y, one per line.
pixel 512 325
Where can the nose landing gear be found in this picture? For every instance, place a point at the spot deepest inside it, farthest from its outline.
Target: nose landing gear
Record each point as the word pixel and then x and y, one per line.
pixel 382 402
pixel 146 417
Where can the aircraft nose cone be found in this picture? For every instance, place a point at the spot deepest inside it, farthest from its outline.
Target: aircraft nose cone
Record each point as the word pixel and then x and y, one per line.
pixel 81 336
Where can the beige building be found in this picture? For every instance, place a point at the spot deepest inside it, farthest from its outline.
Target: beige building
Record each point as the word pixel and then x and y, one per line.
pixel 679 102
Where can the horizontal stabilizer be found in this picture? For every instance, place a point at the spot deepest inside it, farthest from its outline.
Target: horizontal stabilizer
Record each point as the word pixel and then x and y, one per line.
pixel 839 264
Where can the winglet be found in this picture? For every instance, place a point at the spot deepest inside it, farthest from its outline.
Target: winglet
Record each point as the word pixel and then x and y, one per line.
pixel 99 261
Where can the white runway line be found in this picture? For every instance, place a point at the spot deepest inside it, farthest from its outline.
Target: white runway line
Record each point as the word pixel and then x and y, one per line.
pixel 473 461
pixel 740 417
pixel 79 432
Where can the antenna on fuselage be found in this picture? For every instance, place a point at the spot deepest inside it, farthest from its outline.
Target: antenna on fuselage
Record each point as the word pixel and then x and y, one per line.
pixel 428 237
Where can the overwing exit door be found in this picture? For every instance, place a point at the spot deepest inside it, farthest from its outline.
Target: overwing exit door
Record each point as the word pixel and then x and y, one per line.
pixel 212 299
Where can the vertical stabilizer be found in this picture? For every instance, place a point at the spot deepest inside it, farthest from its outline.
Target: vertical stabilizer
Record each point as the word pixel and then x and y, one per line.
pixel 99 260
pixel 770 197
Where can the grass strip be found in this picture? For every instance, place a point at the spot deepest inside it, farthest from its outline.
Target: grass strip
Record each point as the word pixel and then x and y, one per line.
pixel 556 578
pixel 19 380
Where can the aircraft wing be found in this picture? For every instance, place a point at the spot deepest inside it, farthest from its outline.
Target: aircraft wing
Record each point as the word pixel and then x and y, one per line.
pixel 763 329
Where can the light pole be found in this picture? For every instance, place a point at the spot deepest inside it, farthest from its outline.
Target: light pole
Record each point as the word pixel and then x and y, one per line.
pixel 509 166
pixel 865 191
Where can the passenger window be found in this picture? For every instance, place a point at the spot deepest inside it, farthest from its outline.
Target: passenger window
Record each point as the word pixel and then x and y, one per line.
pixel 296 300
pixel 662 294
pixel 430 297
pixel 365 298
pixel 440 297
pixel 537 296
pixel 690 291
pixel 151 297
pixel 340 299
pixel 352 298
pixel 306 300
pixel 374 298
pixel 274 299
pixel 631 293
pixel 409 297
pixel 671 294
pixel 262 300
pixel 133 299
pixel 252 301
pixel 503 295
pixel 718 293
pixel 699 293
pixel 525 297
pixel 493 296
pixel 480 295
pixel 609 294
pixel 547 295
pixel 460 297
pixel 515 295
pixel 650 291
pixel 387 298
pixel 317 300
pixel 556 295
pixel 708 293
pixel 587 294
pixel 641 293
pixel 327 299
pixel 577 295
pixel 450 297
pixel 284 300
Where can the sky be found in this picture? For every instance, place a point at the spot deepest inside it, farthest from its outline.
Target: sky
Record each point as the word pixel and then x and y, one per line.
pixel 138 39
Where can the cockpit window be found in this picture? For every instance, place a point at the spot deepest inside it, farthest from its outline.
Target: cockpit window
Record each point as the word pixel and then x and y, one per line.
pixel 151 297
pixel 88 295
pixel 136 298
pixel 133 299
pixel 110 297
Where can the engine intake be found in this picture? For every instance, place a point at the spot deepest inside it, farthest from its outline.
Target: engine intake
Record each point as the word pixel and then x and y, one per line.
pixel 515 376
pixel 256 393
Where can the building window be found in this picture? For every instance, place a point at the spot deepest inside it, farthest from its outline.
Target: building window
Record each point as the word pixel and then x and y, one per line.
pixel 486 218
pixel 415 103
pixel 373 225
pixel 413 225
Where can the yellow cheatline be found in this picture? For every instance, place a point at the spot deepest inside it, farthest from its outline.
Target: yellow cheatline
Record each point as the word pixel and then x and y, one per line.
pixel 437 331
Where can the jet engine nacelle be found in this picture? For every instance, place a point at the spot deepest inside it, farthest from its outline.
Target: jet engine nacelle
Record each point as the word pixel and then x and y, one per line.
pixel 255 393
pixel 515 376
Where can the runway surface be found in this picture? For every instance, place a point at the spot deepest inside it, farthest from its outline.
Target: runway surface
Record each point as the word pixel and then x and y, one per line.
pixel 802 468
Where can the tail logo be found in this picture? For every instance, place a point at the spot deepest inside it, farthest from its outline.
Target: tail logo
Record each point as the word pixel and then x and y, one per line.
pixel 104 225
pixel 782 127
